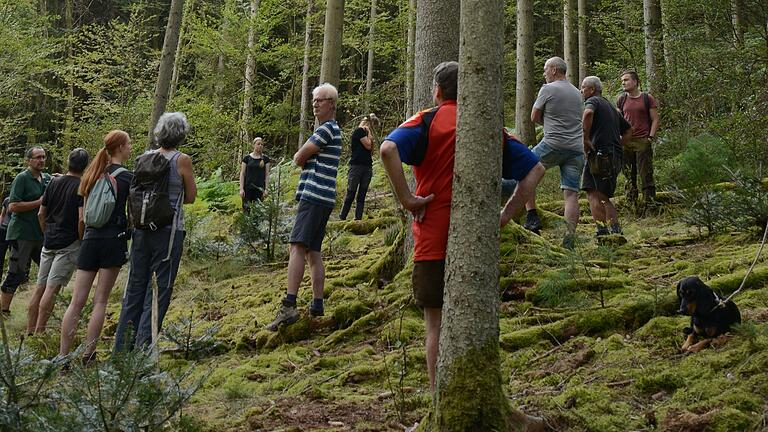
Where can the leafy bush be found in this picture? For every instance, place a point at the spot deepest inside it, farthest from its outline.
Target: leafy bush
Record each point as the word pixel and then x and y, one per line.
pixel 218 193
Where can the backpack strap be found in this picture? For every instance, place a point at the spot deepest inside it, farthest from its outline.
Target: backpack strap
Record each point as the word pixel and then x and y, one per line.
pixel 620 103
pixel 179 204
pixel 647 103
pixel 421 146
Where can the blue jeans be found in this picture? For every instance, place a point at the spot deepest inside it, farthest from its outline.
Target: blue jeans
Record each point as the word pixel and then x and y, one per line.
pixel 571 164
pixel 148 252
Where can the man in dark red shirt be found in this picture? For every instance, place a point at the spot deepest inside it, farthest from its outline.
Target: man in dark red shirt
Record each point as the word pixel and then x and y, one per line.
pixel 640 110
pixel 427 141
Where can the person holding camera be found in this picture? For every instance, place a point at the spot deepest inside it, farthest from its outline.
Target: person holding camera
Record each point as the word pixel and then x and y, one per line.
pixel 360 167
pixel 104 249
pixel 605 132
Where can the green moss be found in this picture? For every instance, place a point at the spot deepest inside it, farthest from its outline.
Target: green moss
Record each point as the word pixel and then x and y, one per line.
pixel 652 382
pixel 348 312
pixel 730 283
pixel 362 227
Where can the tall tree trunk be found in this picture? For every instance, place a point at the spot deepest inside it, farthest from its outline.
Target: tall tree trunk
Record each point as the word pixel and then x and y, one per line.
pixel 436 40
pixel 653 51
pixel 669 53
pixel 470 396
pixel 524 90
pixel 570 41
pixel 69 114
pixel 332 39
pixel 180 48
pixel 250 66
pixel 226 10
pixel 369 71
pixel 304 104
pixel 166 65
pixel 409 58
pixel 737 9
pixel 583 59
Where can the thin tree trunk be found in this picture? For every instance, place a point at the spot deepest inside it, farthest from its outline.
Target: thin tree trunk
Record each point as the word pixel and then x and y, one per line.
pixel 570 41
pixel 69 113
pixel 180 48
pixel 469 337
pixel 737 9
pixel 524 89
pixel 409 58
pixel 369 71
pixel 227 9
pixel 332 39
pixel 250 66
pixel 166 65
pixel 583 60
pixel 669 56
pixel 305 75
pixel 653 51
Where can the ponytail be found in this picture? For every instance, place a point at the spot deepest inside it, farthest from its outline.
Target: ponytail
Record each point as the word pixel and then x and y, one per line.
pixel 112 142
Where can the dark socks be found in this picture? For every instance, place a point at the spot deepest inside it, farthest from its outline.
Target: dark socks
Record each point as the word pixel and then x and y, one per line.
pixel 290 300
pixel 317 304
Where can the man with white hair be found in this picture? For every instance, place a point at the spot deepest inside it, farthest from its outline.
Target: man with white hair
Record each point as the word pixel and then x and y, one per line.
pixel 558 107
pixel 316 194
pixel 605 132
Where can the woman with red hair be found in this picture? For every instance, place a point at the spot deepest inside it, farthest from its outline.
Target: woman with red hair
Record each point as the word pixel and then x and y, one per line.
pixel 104 250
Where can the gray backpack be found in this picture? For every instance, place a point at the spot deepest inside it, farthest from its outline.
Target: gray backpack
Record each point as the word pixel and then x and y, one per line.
pixel 100 203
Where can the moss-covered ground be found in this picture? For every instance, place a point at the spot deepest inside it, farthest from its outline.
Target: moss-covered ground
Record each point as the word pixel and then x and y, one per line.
pixel 589 339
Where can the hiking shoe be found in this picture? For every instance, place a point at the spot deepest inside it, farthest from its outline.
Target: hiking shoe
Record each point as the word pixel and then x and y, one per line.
pixel 601 231
pixel 569 241
pixel 287 315
pixel 532 222
pixel 616 229
pixel 316 312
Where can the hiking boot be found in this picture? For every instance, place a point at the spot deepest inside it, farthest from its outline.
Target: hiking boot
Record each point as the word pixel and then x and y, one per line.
pixel 569 241
pixel 532 222
pixel 287 315
pixel 316 312
pixel 601 231
pixel 616 229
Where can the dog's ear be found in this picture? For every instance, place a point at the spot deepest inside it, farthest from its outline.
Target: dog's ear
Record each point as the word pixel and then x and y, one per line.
pixel 705 297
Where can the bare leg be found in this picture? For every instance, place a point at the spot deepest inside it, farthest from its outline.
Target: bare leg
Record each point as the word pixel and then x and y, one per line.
pixel 46 306
pixel 571 209
pixel 525 192
pixel 34 307
pixel 83 281
pixel 295 267
pixel 107 279
pixel 5 300
pixel 432 319
pixel 317 273
pixel 610 212
pixel 597 207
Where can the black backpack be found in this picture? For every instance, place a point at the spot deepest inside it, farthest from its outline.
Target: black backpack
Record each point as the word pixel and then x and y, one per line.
pixel 148 199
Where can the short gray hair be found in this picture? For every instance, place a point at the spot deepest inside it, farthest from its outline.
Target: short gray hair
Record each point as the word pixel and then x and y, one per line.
pixel 328 89
pixel 557 63
pixel 594 82
pixel 171 130
pixel 30 151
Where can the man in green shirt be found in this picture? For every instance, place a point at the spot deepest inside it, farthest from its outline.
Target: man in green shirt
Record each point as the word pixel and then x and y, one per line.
pixel 24 229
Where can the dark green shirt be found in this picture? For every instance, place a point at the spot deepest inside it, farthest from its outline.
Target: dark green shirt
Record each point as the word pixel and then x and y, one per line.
pixel 24 225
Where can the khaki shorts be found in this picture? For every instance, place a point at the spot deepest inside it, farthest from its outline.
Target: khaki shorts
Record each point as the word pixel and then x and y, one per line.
pixel 57 265
pixel 429 283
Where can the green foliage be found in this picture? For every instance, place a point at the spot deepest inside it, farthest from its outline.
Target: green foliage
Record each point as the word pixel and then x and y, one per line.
pixel 262 226
pixel 218 193
pixel 191 342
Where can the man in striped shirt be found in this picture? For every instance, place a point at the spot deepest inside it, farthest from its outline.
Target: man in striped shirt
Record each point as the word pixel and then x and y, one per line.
pixel 316 194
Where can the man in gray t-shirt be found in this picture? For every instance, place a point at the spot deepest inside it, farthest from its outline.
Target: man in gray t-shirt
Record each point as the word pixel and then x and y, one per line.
pixel 559 107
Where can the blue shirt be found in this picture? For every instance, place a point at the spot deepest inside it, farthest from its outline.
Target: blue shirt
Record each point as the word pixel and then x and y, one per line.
pixel 317 184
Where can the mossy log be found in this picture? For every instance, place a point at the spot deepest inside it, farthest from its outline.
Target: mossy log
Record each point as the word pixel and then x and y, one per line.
pixel 362 227
pixel 591 322
pixel 729 283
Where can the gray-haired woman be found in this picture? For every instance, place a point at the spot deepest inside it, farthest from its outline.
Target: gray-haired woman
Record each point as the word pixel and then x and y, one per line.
pixel 150 248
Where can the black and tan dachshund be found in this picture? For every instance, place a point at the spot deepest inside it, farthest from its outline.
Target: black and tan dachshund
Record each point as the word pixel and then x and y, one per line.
pixel 709 318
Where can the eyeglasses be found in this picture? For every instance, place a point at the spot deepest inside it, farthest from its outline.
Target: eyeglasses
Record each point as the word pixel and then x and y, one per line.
pixel 39 157
pixel 321 99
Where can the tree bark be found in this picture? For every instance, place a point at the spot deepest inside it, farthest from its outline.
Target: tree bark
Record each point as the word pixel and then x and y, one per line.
pixel 166 66
pixel 410 58
pixel 583 55
pixel 332 39
pixel 369 71
pixel 436 40
pixel 653 49
pixel 524 88
pixel 570 41
pixel 305 75
pixel 469 385
pixel 737 9
pixel 250 66
pixel 180 48
pixel 69 113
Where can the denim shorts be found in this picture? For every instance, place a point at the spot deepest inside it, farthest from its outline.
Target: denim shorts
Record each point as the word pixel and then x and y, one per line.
pixel 571 164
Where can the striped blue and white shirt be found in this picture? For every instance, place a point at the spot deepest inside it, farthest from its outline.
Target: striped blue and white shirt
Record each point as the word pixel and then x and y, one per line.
pixel 317 183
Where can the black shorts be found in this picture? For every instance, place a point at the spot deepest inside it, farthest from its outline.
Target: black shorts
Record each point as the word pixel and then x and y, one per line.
pixel 309 227
pixel 99 253
pixel 429 283
pixel 606 186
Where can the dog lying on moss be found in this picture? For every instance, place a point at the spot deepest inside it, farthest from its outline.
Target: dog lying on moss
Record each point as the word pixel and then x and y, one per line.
pixel 709 318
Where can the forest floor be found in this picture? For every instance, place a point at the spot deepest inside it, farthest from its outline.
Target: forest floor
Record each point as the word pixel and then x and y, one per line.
pixel 590 338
